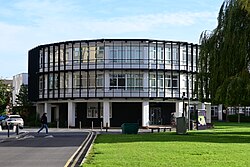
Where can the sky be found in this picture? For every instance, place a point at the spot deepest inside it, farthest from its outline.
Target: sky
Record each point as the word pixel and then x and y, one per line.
pixel 25 24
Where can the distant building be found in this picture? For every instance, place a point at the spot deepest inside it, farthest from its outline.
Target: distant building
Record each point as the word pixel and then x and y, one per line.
pixel 18 80
pixel 7 82
pixel 113 81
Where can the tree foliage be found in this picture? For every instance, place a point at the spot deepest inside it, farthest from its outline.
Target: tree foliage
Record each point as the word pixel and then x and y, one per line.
pixel 22 97
pixel 5 94
pixel 224 56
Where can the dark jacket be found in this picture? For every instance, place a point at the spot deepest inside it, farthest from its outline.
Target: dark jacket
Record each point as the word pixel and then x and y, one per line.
pixel 44 119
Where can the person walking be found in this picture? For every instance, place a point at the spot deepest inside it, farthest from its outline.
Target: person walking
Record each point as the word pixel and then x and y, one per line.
pixel 44 123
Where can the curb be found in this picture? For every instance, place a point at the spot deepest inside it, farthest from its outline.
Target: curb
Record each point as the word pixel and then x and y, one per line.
pixel 21 135
pixel 88 149
pixel 80 154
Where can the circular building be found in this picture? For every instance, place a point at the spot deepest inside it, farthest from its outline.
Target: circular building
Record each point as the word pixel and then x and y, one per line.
pixel 108 82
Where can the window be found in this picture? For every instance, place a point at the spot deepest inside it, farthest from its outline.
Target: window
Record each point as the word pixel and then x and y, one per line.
pixel 160 80
pixel 168 81
pixel 160 55
pixel 76 55
pixel 92 112
pixel 169 84
pixel 92 53
pixel 184 80
pixel 175 82
pixel 113 81
pixel 175 56
pixel 115 53
pixel 56 55
pixel 51 82
pixel 84 79
pixel 84 54
pixel 126 53
pixel 41 59
pixel 61 80
pixel 51 56
pixel 152 80
pixel 134 81
pixel 67 56
pixel 56 81
pixel 92 78
pixel 135 54
pixel 189 54
pixel 121 81
pixel 66 80
pixel 41 83
pixel 152 54
pixel 61 56
pixel 77 80
pixel 214 111
pixel 117 81
pixel 194 56
pixel 99 80
pixel 100 54
pixel 184 55
pixel 168 55
pixel 46 58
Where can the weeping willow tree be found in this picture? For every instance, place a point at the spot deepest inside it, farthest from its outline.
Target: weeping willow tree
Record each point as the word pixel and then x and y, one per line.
pixel 224 62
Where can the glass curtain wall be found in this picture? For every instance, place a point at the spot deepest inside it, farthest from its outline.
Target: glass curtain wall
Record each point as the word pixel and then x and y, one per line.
pixel 80 68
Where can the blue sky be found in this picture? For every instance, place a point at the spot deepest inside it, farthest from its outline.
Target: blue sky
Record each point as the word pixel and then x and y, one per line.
pixel 24 24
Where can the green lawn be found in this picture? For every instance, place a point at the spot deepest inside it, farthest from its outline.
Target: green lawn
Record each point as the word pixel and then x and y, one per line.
pixel 226 145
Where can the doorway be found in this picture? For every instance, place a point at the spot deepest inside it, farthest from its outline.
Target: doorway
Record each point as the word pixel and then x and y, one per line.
pixel 155 116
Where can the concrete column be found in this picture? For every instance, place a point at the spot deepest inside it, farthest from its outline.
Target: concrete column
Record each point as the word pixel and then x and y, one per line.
pixel 106 79
pixel 40 109
pixel 71 114
pixel 57 116
pixel 179 109
pixel 47 109
pixel 220 112
pixel 106 108
pixel 145 113
pixel 57 113
pixel 208 112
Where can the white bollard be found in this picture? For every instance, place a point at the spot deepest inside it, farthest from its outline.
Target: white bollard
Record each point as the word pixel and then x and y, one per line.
pixel 1 128
pixel 14 129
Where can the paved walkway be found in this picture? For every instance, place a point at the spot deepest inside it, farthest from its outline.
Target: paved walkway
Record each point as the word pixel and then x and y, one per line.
pixel 22 132
pixel 25 131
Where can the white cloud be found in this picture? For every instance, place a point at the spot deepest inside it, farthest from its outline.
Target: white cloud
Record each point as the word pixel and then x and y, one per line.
pixel 42 22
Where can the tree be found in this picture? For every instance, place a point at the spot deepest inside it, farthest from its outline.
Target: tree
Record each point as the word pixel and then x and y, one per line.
pixel 224 62
pixel 22 100
pixel 22 97
pixel 5 94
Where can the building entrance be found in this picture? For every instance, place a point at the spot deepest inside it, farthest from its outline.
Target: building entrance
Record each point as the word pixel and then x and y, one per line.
pixel 155 116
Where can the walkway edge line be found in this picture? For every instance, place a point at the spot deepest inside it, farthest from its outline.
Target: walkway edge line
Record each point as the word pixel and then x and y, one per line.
pixel 84 159
pixel 71 158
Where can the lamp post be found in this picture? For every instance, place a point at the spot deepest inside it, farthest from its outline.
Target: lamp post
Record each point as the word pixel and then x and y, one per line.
pixel 239 114
pixel 183 105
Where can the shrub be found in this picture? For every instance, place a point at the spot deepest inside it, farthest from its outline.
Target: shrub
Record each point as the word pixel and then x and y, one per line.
pixel 234 118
